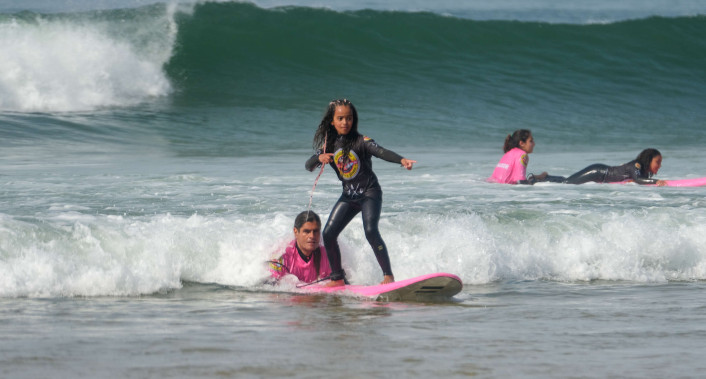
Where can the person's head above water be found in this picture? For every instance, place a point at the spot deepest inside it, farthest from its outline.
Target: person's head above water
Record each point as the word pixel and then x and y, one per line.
pixel 340 118
pixel 650 161
pixel 345 117
pixel 307 232
pixel 338 111
pixel 521 138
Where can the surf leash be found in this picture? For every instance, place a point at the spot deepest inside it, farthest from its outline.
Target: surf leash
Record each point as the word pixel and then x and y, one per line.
pixel 280 265
pixel 314 282
pixel 311 195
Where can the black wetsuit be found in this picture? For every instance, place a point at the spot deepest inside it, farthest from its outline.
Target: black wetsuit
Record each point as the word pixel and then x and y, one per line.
pixel 361 192
pixel 601 173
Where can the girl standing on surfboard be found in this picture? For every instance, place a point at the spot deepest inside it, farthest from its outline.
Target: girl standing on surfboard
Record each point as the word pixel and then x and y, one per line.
pixel 338 143
pixel 640 171
pixel 512 168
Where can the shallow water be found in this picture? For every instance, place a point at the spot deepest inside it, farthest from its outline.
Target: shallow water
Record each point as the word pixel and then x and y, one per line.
pixel 519 329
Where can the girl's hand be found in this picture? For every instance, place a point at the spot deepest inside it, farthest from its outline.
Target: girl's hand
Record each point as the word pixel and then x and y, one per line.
pixel 661 183
pixel 407 163
pixel 325 158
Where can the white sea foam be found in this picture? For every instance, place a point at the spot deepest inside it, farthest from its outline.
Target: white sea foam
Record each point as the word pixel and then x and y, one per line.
pixel 75 254
pixel 54 64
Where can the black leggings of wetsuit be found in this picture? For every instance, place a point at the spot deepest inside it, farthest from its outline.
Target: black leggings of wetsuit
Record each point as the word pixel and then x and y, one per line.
pixel 342 214
pixel 593 173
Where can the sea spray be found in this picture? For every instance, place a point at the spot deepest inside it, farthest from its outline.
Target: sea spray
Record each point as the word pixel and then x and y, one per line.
pixel 86 61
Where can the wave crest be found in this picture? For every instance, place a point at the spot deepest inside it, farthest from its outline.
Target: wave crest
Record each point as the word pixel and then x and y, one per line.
pixel 80 62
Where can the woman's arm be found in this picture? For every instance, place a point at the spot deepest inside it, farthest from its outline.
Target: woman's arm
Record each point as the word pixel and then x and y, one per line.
pixel 640 180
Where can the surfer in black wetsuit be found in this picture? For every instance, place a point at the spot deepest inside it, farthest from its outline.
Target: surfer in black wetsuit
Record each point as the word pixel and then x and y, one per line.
pixel 339 144
pixel 640 170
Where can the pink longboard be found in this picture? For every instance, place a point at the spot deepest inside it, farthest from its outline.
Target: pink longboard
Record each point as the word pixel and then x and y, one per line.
pixel 696 182
pixel 430 286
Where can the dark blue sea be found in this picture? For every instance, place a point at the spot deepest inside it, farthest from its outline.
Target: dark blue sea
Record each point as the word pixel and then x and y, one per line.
pixel 152 158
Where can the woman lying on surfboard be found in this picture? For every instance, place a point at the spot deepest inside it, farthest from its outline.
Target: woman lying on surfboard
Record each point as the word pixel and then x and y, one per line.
pixel 512 168
pixel 639 171
pixel 338 143
pixel 303 257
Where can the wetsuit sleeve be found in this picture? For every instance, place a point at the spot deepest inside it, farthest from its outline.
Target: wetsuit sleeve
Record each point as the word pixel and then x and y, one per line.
pixel 313 162
pixel 635 176
pixel 641 180
pixel 382 153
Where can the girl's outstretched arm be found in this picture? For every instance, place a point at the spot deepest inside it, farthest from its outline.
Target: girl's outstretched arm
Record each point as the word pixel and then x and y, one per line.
pixel 388 155
pixel 407 163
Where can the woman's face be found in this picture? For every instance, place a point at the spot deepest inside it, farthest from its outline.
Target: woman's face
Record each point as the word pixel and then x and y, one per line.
pixel 527 145
pixel 655 164
pixel 343 119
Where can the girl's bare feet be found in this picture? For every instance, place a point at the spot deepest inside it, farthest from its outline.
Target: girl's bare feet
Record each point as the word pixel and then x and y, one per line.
pixel 335 283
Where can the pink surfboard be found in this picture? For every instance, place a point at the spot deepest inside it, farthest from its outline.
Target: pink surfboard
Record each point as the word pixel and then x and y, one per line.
pixel 425 287
pixel 696 182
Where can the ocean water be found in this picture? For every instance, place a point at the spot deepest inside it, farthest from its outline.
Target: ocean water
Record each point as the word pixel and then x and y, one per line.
pixel 152 159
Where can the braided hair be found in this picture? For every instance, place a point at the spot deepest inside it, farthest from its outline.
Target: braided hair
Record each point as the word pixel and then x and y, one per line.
pixel 326 133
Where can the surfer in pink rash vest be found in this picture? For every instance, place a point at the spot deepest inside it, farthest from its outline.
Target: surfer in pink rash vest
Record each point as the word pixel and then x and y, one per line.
pixel 512 168
pixel 303 257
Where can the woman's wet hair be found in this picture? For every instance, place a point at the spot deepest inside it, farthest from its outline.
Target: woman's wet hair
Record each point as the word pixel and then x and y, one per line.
pixel 645 159
pixel 326 133
pixel 513 140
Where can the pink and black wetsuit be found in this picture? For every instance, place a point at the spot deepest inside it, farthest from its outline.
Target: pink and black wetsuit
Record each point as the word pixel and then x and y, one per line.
pixel 307 269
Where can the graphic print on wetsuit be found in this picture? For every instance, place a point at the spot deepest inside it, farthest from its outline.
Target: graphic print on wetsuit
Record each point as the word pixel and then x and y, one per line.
pixel 348 169
pixel 356 175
